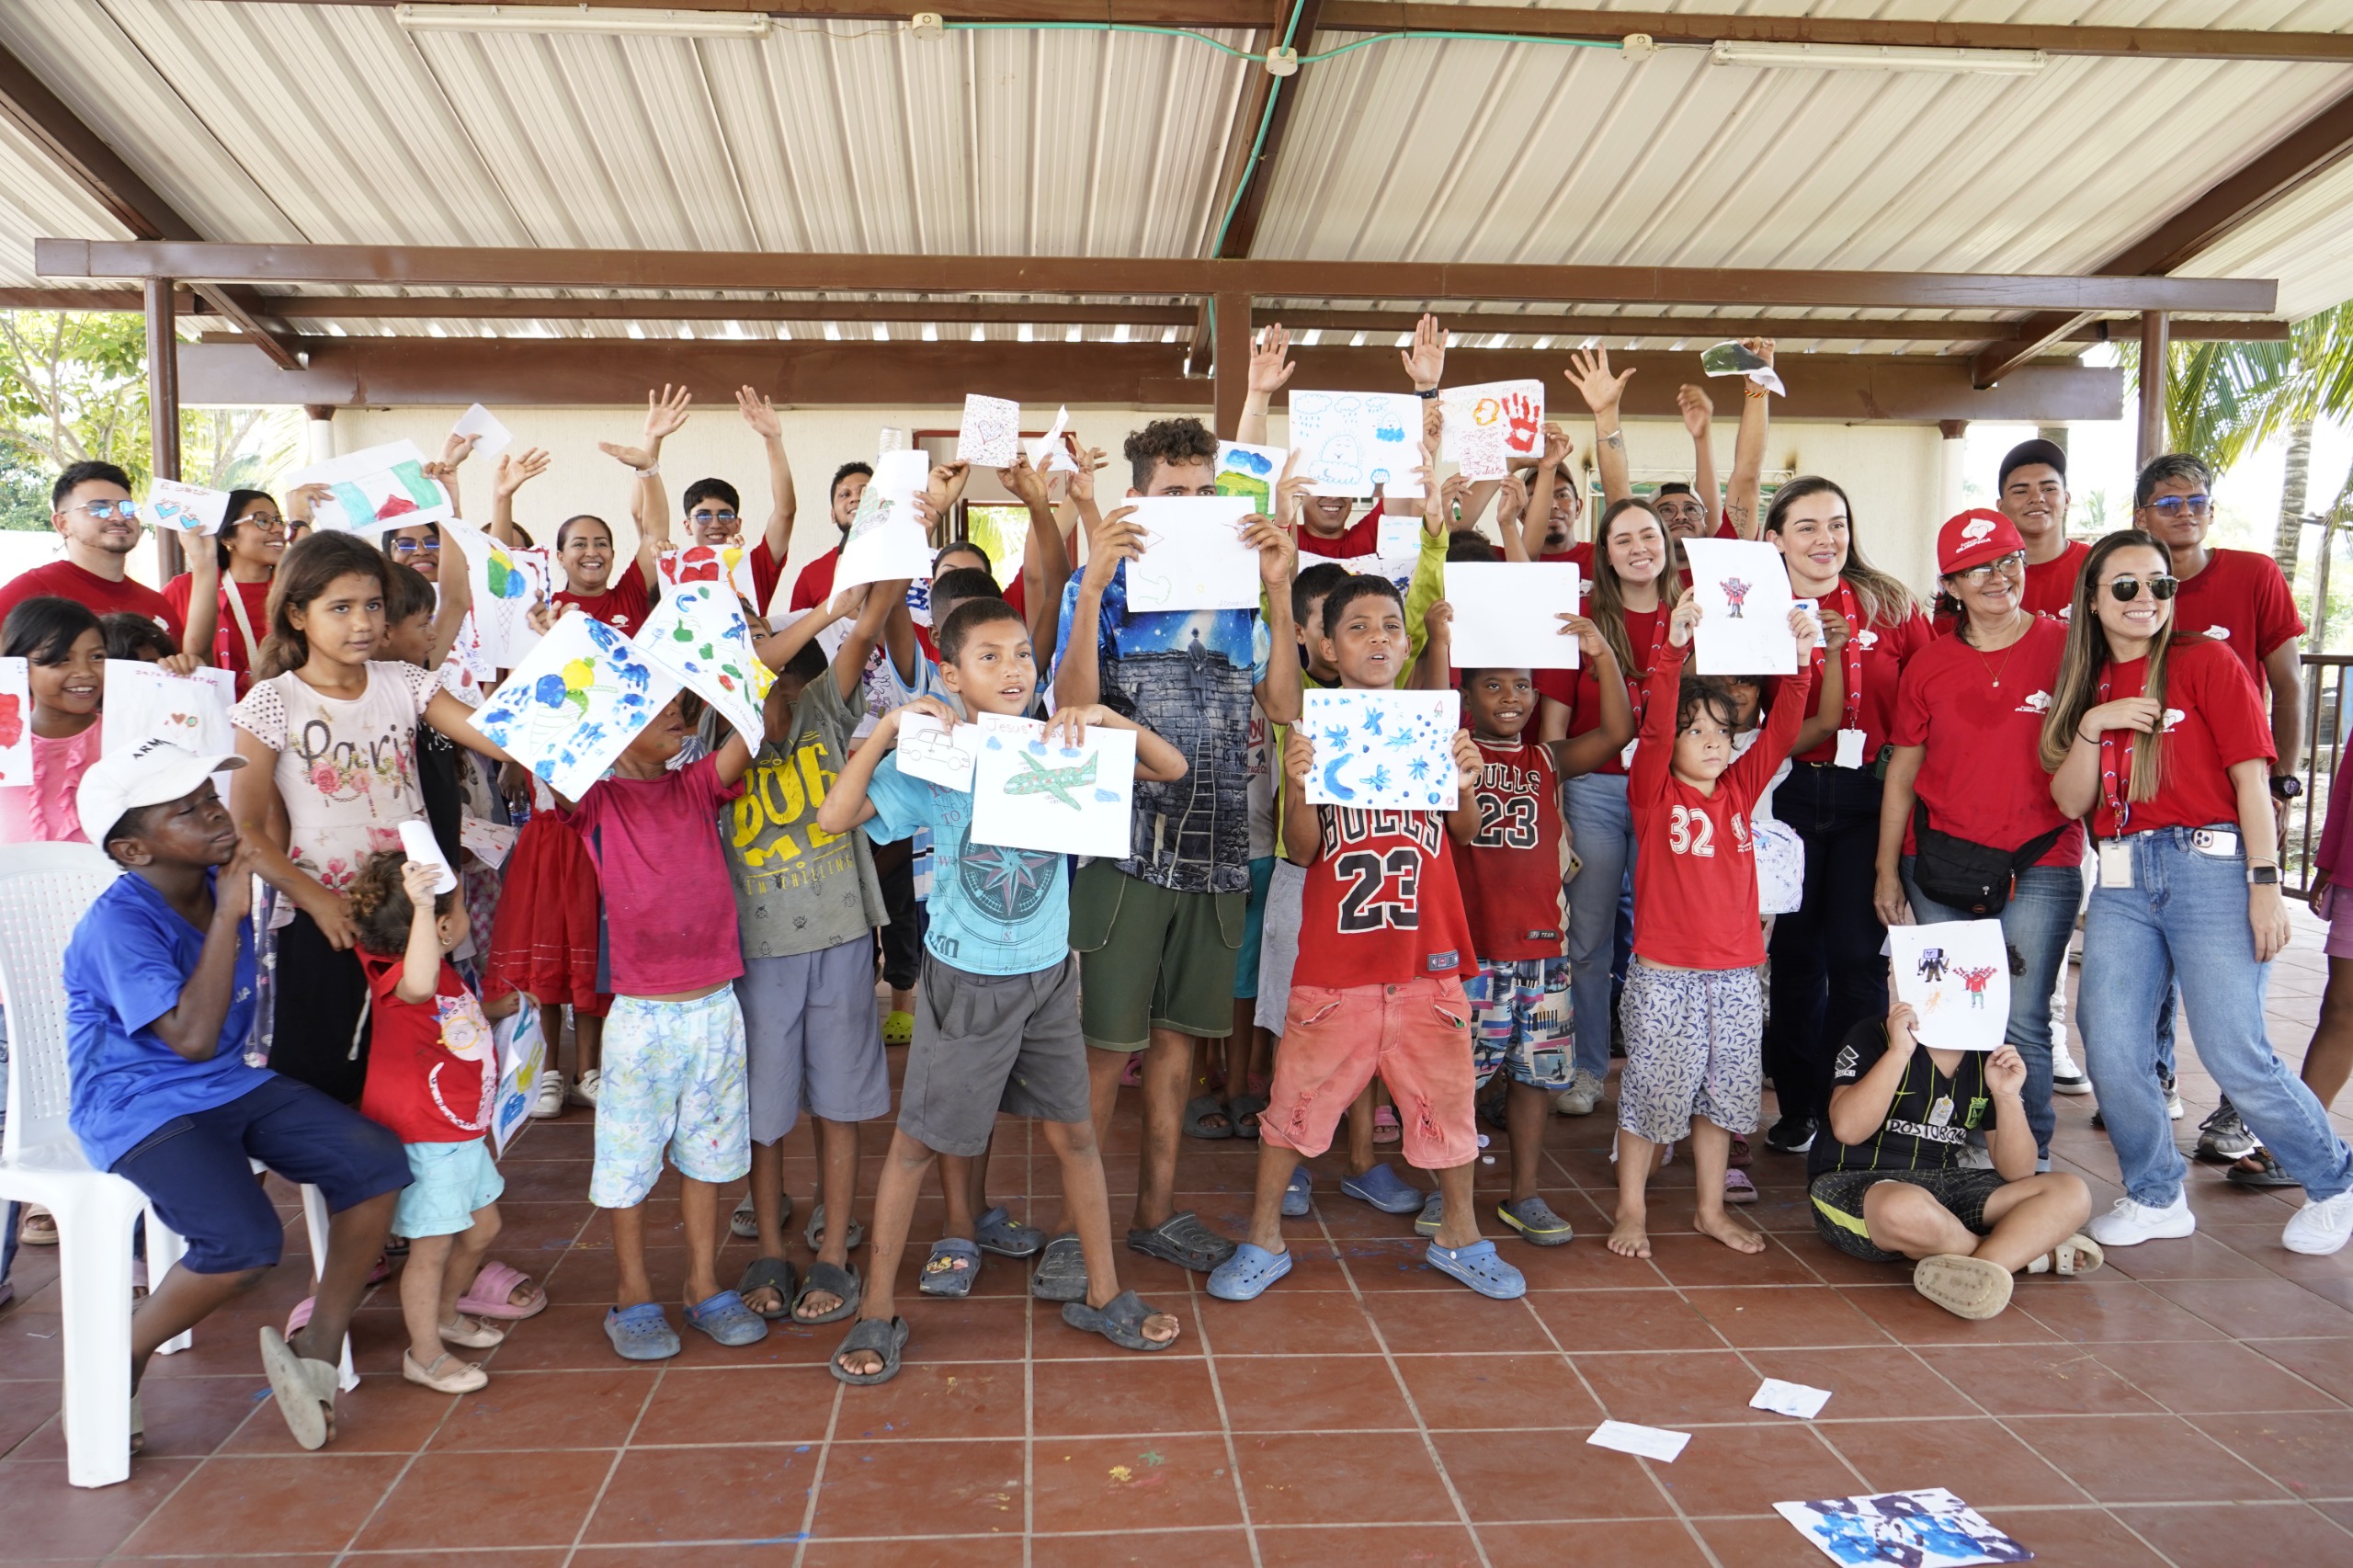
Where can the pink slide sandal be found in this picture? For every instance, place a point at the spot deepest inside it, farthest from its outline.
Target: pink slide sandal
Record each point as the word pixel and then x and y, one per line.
pixel 490 1294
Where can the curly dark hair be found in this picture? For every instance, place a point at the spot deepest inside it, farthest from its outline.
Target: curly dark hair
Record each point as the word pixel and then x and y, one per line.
pixel 1171 441
pixel 380 912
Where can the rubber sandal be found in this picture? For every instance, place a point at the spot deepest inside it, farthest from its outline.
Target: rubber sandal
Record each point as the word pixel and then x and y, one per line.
pixel 1381 1188
pixel 2259 1169
pixel 1969 1288
pixel 952 1269
pixel 381 1272
pixel 1299 1195
pixel 1738 1188
pixel 887 1340
pixel 1537 1224
pixel 395 1246
pixel 768 1274
pixel 815 1234
pixel 842 1284
pixel 1183 1239
pixel 1480 1266
pixel 471 1334
pixel 1245 1276
pixel 1386 1128
pixel 641 1333
pixel 2077 1254
pixel 1131 1075
pixel 492 1294
pixel 305 1390
pixel 743 1225
pixel 1198 1109
pixel 898 1029
pixel 37 1229
pixel 726 1319
pixel 300 1316
pixel 1433 1215
pixel 998 1231
pixel 1740 1158
pixel 444 1374
pixel 1247 1109
pixel 1061 1275
pixel 1119 1320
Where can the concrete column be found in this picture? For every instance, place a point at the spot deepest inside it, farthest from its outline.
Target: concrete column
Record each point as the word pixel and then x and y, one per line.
pixel 320 432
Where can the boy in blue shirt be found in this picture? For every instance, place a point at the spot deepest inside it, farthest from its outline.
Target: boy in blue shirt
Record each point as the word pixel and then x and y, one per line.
pixel 159 998
pixel 999 972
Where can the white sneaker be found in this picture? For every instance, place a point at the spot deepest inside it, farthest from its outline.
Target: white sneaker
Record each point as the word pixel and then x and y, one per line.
pixel 585 1092
pixel 2320 1229
pixel 2066 1078
pixel 549 1100
pixel 1581 1098
pixel 2130 1223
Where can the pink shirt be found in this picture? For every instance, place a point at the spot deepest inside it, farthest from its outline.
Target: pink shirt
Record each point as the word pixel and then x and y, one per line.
pixel 669 913
pixel 44 812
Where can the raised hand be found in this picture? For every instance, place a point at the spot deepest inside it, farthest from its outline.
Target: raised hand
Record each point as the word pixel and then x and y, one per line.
pixel 1557 446
pixel 1685 618
pixel 1467 760
pixel 1425 361
pixel 665 412
pixel 418 877
pixel 1028 486
pixel 1590 643
pixel 457 448
pixel 517 469
pixel 758 412
pixel 1115 539
pixel 1698 409
pixel 1270 364
pixel 1589 374
pixel 1277 553
pixel 1802 628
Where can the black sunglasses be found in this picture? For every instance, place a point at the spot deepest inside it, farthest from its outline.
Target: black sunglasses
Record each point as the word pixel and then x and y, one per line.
pixel 2126 589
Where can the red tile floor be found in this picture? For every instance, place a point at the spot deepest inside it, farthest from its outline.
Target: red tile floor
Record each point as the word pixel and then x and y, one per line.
pixel 2192 1404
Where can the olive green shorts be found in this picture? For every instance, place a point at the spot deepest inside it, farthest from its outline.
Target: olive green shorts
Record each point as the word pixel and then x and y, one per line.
pixel 1152 959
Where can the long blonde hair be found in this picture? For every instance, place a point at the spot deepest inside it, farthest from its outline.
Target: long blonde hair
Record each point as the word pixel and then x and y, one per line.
pixel 1884 596
pixel 1609 589
pixel 2087 657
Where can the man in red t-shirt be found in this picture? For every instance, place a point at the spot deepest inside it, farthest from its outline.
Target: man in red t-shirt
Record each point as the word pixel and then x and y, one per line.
pixel 91 508
pixel 2030 489
pixel 815 583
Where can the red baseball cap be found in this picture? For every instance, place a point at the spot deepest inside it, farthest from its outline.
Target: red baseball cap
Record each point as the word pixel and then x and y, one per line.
pixel 1974 538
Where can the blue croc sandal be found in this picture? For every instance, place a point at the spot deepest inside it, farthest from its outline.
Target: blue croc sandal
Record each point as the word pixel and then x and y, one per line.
pixel 1245 1276
pixel 726 1319
pixel 1478 1266
pixel 1432 1218
pixel 1381 1188
pixel 998 1231
pixel 952 1269
pixel 642 1333
pixel 1298 1197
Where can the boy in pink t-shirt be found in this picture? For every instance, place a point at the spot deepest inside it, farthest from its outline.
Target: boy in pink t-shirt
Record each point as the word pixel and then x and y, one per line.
pixel 674 1041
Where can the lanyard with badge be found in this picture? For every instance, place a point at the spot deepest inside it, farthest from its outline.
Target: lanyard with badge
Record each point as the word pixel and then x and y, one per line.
pixel 1638 685
pixel 1849 751
pixel 2115 769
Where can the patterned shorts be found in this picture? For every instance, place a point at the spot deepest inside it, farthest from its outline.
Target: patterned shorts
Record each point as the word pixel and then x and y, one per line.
pixel 1519 1021
pixel 1694 1040
pixel 674 1082
pixel 1838 1197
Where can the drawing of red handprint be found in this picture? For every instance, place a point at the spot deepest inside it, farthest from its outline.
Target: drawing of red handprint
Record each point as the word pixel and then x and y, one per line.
pixel 12 720
pixel 1526 420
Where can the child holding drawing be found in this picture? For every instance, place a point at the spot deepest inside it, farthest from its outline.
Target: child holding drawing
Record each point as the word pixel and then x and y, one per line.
pixel 432 1071
pixel 1694 1007
pixel 996 1012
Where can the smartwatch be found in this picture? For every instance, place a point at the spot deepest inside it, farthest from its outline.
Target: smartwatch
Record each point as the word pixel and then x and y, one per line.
pixel 2286 786
pixel 2263 876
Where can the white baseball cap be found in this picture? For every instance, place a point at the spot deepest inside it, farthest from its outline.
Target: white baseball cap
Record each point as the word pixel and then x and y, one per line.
pixel 149 774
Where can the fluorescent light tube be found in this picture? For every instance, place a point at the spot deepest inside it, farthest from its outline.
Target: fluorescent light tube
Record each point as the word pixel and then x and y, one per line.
pixel 580 19
pixel 1879 57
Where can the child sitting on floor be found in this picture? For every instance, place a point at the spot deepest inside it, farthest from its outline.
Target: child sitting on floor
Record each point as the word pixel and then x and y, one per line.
pixel 998 970
pixel 432 1078
pixel 159 1001
pixel 1694 1005
pixel 1889 1180
pixel 1378 985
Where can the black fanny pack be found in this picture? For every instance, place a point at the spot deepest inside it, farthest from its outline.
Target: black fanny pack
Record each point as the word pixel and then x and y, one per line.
pixel 1973 878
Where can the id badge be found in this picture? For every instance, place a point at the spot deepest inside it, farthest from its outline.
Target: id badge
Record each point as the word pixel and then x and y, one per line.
pixel 1850 748
pixel 2115 864
pixel 1940 1113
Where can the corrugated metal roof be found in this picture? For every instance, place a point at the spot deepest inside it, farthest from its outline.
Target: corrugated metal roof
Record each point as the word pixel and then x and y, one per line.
pixel 332 123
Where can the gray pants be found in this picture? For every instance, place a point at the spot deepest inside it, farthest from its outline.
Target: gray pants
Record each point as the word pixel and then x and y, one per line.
pixel 986 1043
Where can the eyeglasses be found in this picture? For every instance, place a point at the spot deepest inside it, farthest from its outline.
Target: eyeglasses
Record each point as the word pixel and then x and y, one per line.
pixel 105 511
pixel 416 547
pixel 2171 507
pixel 261 521
pixel 713 517
pixel 2124 590
pixel 2014 561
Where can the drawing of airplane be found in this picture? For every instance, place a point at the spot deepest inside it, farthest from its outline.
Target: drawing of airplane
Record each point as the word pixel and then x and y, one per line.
pixel 1056 781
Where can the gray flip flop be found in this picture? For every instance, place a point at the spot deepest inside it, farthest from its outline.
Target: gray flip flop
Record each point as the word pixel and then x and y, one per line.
pixel 840 1283
pixel 885 1339
pixel 768 1274
pixel 952 1269
pixel 1198 1109
pixel 1062 1271
pixel 1119 1320
pixel 1183 1239
pixel 815 1234
pixel 743 1227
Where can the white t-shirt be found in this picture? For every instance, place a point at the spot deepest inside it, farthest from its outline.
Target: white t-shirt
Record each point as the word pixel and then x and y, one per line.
pixel 346 770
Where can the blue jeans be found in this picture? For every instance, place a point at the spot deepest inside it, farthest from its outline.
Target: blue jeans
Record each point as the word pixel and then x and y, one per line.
pixel 1604 833
pixel 2185 919
pixel 2037 923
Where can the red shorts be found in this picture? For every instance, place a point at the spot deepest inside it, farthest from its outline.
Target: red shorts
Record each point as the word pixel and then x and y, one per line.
pixel 1416 1035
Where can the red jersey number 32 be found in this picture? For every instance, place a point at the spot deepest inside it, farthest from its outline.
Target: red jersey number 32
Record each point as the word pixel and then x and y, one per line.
pixel 1691 832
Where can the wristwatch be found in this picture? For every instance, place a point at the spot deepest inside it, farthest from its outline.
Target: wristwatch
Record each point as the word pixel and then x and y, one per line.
pixel 2263 876
pixel 1425 395
pixel 2286 786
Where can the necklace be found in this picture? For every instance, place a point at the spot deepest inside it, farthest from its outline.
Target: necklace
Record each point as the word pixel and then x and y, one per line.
pixel 2011 654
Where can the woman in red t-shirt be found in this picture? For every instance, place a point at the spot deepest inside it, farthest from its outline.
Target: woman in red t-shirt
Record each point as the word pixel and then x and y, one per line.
pixel 1827 973
pixel 251 540
pixel 1966 756
pixel 2164 749
pixel 1633 595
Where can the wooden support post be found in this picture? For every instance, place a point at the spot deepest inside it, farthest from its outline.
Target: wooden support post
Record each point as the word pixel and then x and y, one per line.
pixel 164 406
pixel 2155 350
pixel 1233 362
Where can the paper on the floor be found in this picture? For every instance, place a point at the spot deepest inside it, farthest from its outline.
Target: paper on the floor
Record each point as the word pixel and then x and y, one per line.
pixel 1931 1529
pixel 1790 1399
pixel 1648 1442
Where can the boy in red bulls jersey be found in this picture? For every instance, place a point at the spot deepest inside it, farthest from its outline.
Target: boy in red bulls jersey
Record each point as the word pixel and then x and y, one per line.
pixel 1383 949
pixel 1512 856
pixel 1694 1007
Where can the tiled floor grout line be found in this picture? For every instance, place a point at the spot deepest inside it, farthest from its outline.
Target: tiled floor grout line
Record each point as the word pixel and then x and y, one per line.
pixel 653 1391
pixel 1029 1375
pixel 816 1482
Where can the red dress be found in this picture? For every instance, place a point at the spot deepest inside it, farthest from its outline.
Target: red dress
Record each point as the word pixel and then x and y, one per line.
pixel 543 941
